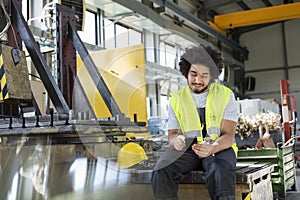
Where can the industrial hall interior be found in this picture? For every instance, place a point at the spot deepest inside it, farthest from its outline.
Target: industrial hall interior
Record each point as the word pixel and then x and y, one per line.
pixel 149 99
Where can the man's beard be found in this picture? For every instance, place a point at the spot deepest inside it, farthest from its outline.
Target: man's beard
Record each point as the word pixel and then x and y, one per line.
pixel 200 91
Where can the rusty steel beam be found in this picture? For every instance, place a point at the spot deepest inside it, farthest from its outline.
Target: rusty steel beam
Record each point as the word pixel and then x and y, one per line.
pixel 66 54
pixel 38 60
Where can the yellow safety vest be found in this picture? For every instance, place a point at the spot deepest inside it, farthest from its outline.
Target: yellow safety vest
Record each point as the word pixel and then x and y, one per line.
pixel 185 110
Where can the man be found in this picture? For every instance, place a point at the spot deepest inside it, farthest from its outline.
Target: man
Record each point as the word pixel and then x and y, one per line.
pixel 201 129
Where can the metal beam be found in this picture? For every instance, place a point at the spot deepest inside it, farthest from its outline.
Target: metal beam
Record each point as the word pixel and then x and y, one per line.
pixel 267 3
pixel 258 16
pixel 211 4
pixel 216 27
pixel 243 5
pixel 246 29
pixel 66 55
pixel 199 23
pixel 13 35
pixel 94 73
pixel 39 61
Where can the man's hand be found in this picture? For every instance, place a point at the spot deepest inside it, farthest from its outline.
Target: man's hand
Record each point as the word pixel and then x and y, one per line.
pixel 204 149
pixel 178 142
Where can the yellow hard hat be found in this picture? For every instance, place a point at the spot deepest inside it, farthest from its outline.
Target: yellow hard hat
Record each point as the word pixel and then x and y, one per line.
pixel 131 154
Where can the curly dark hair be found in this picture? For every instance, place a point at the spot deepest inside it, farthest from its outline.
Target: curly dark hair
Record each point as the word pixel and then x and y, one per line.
pixel 185 65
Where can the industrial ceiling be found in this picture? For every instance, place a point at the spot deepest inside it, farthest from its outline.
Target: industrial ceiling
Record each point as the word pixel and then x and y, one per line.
pixel 213 21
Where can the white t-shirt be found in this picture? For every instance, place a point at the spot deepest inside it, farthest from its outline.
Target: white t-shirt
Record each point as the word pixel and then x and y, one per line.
pixel 231 111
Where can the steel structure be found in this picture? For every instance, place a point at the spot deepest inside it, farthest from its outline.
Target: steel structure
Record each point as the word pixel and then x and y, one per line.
pixel 38 59
pixel 289 110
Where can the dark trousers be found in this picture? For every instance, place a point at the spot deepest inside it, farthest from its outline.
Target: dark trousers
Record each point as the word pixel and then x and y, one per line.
pixel 173 165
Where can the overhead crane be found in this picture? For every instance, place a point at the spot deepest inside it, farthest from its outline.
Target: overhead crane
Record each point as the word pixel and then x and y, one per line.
pixel 256 16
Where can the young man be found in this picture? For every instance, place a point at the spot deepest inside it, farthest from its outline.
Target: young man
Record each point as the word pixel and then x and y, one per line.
pixel 201 129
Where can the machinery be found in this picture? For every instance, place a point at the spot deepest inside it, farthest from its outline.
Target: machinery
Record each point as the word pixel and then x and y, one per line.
pixel 289 110
pixel 254 148
pixel 62 135
pixel 290 118
pixel 16 95
pixel 60 92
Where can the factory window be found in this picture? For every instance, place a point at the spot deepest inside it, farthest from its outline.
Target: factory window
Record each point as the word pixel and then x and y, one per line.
pixel 127 36
pixel 135 37
pixel 164 103
pixel 179 53
pixel 122 38
pixel 25 9
pixel 109 34
pixel 162 55
pixel 89 32
pixel 167 55
pixel 117 36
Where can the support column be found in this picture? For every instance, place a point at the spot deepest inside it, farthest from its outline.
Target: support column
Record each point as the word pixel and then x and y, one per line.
pixel 151 42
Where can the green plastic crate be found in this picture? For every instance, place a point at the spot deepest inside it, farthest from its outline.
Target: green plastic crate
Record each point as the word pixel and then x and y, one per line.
pixel 284 175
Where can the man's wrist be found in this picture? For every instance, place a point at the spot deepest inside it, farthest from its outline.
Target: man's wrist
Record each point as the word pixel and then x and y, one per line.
pixel 215 147
pixel 172 139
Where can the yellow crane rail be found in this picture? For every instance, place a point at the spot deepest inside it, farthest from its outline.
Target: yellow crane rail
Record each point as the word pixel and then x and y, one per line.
pixel 258 16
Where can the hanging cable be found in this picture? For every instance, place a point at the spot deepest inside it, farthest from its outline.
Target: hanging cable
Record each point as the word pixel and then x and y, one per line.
pixel 8 24
pixel 44 17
